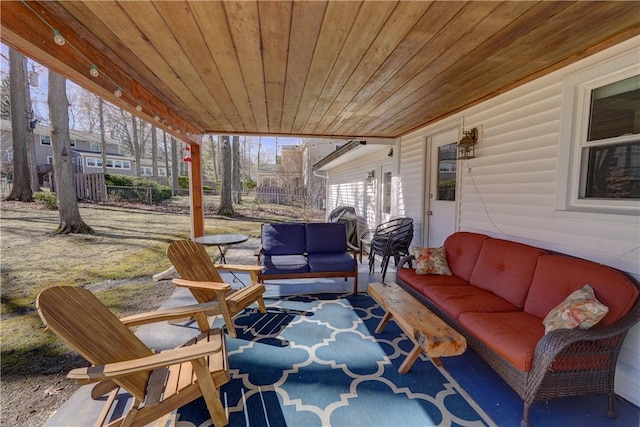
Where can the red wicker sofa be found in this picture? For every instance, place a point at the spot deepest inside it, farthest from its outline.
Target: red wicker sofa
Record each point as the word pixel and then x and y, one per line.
pixel 497 296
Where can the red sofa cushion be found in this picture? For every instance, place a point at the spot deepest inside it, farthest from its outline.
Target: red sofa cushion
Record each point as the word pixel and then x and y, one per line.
pixel 506 269
pixel 513 335
pixel 462 252
pixel 556 276
pixel 458 299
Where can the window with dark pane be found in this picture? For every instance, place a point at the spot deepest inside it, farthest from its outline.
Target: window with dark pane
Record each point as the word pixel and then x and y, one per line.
pixel 612 155
pixel 447 172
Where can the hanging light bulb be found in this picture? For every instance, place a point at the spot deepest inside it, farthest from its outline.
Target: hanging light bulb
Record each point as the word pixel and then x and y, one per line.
pixel 170 127
pixel 57 37
pixel 118 92
pixel 94 71
pixel 156 117
pixel 139 107
pixel 178 131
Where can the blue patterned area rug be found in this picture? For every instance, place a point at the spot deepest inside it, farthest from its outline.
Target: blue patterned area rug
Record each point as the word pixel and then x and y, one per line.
pixel 316 361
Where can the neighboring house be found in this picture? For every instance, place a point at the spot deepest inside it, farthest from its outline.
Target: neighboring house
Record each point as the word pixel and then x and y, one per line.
pixel 85 153
pixel 557 166
pixel 286 172
pixel 293 172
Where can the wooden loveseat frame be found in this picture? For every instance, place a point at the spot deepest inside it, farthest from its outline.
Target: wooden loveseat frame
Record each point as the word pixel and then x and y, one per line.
pixel 317 249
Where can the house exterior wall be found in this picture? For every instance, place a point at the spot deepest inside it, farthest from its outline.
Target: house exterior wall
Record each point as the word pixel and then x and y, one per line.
pixel 347 186
pixel 512 188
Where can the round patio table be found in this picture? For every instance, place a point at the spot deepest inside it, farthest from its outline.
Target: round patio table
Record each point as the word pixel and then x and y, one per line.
pixel 222 241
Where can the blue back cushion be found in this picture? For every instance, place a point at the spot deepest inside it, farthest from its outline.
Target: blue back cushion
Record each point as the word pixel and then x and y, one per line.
pixel 326 237
pixel 283 239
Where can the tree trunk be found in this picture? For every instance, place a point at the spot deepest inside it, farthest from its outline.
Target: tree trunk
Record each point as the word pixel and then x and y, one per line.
pixel 236 185
pixel 226 204
pixel 21 189
pixel 154 152
pixel 30 141
pixel 70 220
pixel 174 165
pixel 166 157
pixel 136 143
pixel 103 139
pixel 214 159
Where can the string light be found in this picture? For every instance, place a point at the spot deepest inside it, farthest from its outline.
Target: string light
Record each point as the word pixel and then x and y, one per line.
pixel 93 69
pixel 57 37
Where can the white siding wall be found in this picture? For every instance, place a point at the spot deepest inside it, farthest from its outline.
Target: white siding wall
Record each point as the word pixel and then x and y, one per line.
pixel 347 186
pixel 411 181
pixel 509 189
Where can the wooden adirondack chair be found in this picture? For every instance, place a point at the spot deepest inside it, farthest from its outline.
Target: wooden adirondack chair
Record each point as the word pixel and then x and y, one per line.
pixel 202 277
pixel 159 383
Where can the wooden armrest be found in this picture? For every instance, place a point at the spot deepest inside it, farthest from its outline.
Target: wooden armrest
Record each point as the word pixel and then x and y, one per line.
pixel 167 314
pixel 239 268
pixel 166 358
pixel 258 251
pixel 211 286
pixel 352 248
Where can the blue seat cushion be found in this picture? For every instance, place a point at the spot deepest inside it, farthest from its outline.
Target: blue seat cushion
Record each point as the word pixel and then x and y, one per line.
pixel 285 264
pixel 326 237
pixel 283 239
pixel 331 262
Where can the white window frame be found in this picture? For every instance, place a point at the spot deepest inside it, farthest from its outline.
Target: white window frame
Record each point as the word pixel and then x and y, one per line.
pixel 576 99
pixel 95 147
pixel 97 162
pixel 47 137
pixel 145 170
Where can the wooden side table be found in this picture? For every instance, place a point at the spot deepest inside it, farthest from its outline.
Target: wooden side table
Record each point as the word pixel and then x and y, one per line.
pixel 429 334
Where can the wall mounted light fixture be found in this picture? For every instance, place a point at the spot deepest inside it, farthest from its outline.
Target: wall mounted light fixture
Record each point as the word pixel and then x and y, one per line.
pixel 371 176
pixel 467 143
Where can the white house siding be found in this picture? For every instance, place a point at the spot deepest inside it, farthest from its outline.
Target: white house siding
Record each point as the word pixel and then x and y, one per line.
pixel 347 186
pixel 509 189
pixel 411 182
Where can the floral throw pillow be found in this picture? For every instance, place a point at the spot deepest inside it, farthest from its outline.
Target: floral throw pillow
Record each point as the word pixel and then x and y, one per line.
pixel 580 309
pixel 431 261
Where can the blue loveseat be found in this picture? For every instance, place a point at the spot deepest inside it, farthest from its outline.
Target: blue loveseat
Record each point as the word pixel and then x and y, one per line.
pixel 307 250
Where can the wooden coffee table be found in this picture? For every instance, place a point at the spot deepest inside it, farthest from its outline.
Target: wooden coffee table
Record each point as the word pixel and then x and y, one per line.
pixel 429 334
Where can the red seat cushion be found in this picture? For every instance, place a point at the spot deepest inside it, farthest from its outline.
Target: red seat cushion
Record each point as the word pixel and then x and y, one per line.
pixel 419 281
pixel 557 276
pixel 506 269
pixel 512 335
pixel 458 299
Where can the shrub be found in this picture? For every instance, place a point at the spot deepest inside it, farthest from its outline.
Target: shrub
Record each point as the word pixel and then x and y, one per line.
pixel 46 199
pixel 183 182
pixel 158 192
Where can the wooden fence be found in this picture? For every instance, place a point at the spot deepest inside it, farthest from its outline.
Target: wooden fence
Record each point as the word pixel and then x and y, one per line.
pixel 91 186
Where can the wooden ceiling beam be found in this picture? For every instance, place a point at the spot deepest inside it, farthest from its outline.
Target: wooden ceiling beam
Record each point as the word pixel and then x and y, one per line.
pixel 73 61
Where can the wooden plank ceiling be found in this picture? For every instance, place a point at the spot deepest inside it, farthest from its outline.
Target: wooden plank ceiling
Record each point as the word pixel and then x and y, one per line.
pixel 310 68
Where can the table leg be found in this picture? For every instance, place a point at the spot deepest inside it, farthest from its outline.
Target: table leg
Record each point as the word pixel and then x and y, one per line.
pixel 411 358
pixel 383 322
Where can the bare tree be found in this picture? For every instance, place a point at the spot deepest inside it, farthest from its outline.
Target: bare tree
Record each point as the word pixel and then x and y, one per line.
pixel 70 220
pixel 21 189
pixel 137 155
pixel 174 165
pixel 236 187
pixel 226 204
pixel 166 155
pixel 154 152
pixel 103 139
